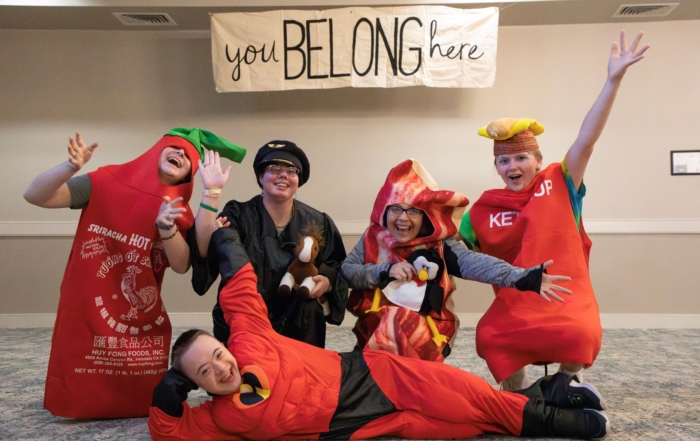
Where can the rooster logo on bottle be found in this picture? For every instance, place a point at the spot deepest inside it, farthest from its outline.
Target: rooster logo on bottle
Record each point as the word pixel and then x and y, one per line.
pixel 143 299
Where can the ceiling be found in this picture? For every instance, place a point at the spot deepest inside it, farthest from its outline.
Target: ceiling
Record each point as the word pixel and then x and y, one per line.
pixel 193 15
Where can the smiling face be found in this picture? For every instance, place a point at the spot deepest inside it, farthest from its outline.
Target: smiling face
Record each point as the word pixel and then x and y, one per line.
pixel 209 364
pixel 279 183
pixel 173 166
pixel 403 221
pixel 518 170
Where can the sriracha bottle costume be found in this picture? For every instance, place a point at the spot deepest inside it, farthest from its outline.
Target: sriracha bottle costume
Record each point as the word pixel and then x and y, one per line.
pixel 393 328
pixel 111 338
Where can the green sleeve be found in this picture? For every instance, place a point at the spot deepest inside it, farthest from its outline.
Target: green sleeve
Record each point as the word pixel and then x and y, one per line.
pixel 466 230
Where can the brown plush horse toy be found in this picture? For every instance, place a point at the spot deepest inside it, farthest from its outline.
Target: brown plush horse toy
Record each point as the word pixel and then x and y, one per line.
pixel 300 272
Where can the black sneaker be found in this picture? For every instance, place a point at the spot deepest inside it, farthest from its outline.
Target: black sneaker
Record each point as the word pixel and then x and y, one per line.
pixel 562 392
pixel 577 423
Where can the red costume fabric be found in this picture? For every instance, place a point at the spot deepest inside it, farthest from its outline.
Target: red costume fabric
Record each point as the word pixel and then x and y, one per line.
pixel 111 338
pixel 433 400
pixel 396 329
pixel 527 228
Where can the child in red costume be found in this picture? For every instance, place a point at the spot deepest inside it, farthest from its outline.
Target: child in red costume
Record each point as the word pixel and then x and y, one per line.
pixel 537 215
pixel 112 334
pixel 267 386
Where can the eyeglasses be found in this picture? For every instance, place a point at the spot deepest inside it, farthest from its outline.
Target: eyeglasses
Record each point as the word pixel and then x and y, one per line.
pixel 276 170
pixel 397 211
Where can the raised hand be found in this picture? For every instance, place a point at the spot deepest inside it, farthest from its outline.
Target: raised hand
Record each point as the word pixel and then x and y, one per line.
pixel 79 152
pixel 168 213
pixel 621 57
pixel 210 171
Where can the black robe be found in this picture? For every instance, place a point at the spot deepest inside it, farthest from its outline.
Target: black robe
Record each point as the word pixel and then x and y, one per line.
pixel 270 255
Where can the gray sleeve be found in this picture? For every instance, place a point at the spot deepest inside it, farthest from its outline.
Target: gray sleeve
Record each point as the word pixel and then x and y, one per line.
pixel 482 267
pixel 80 188
pixel 358 274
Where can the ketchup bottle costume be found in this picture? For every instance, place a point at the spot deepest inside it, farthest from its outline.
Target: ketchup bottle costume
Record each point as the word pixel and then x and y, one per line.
pixel 111 339
pixel 526 228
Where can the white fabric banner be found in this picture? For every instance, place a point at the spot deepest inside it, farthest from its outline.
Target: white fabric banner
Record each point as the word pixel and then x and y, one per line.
pixel 435 46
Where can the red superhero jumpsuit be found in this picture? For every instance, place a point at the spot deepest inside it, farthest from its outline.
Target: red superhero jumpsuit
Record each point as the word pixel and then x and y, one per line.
pixel 300 387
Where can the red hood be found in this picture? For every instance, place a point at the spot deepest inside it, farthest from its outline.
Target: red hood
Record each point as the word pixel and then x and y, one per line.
pixel 142 174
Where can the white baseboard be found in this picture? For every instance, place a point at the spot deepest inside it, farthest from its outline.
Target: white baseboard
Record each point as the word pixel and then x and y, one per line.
pixel 355 228
pixel 592 226
pixel 178 319
pixel 467 320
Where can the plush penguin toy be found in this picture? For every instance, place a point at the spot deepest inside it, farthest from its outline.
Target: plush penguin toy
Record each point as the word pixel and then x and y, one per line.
pixel 421 294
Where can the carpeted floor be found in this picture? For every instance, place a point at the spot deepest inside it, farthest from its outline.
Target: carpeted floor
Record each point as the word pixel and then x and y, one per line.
pixel 649 378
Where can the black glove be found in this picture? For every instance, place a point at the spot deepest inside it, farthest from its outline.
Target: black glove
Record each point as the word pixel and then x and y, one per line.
pixel 226 243
pixel 384 279
pixel 171 392
pixel 532 281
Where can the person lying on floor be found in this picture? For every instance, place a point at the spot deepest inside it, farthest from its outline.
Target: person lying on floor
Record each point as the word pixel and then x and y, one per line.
pixel 267 386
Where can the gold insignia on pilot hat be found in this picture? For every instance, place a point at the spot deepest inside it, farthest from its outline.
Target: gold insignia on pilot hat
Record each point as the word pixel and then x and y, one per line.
pixel 275 146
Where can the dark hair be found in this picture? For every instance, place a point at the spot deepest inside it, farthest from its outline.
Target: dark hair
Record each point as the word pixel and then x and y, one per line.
pixel 426 228
pixel 182 344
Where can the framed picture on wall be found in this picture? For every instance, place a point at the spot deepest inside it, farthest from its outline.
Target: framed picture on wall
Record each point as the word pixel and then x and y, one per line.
pixel 685 162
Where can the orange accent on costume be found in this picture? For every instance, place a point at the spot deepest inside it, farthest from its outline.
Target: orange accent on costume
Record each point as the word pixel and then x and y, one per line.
pixel 520 328
pixel 239 398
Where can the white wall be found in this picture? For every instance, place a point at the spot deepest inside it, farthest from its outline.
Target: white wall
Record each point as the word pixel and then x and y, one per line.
pixel 125 89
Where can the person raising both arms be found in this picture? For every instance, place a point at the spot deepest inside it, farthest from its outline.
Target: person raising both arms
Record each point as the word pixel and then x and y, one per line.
pixel 538 214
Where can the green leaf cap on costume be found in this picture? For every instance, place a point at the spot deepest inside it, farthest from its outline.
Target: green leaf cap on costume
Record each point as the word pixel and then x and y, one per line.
pixel 203 138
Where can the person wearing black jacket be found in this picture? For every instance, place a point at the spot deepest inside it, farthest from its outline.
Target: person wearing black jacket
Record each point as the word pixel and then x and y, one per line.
pixel 267 228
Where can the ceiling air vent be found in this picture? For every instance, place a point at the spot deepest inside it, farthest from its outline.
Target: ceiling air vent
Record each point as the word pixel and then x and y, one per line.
pixel 145 19
pixel 645 10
